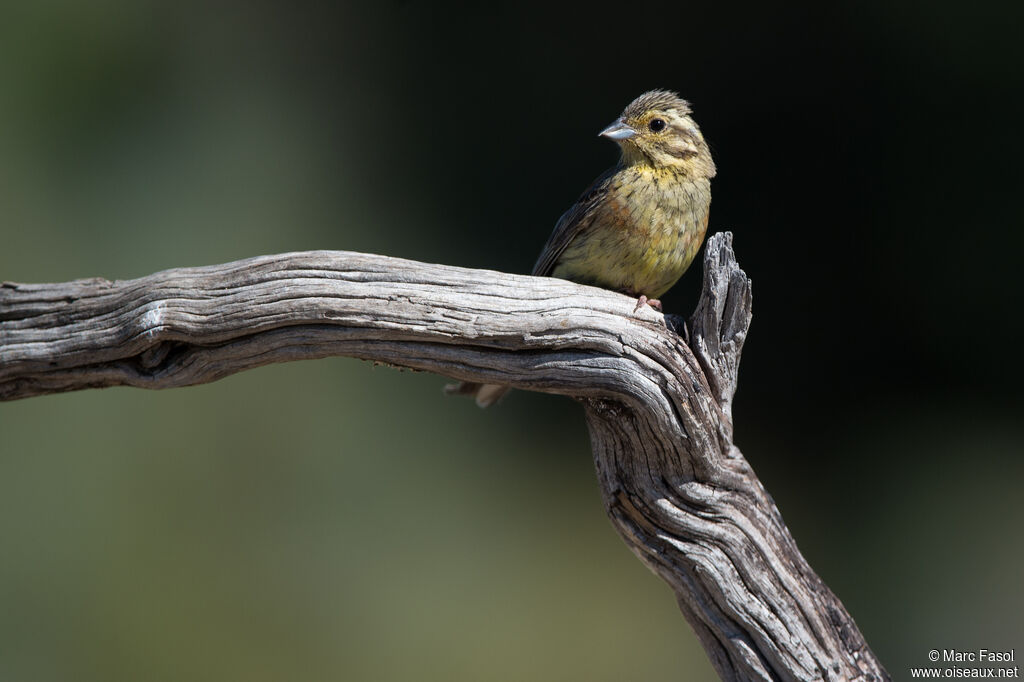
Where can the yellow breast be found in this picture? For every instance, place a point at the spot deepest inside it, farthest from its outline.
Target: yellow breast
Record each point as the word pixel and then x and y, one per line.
pixel 643 235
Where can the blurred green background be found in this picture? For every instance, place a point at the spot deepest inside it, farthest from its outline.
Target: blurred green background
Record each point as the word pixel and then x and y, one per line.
pixel 328 520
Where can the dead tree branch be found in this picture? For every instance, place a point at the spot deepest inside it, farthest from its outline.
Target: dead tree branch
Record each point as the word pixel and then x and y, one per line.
pixel 675 486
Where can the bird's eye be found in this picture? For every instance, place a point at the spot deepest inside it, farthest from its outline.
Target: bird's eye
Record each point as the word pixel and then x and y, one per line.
pixel 656 125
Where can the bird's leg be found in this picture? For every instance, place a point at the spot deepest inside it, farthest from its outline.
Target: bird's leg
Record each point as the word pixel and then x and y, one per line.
pixel 643 300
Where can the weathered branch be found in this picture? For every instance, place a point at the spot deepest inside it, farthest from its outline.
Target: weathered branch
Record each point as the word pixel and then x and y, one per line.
pixel 674 484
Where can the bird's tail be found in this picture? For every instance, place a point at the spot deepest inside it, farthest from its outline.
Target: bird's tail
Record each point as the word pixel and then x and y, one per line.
pixel 484 394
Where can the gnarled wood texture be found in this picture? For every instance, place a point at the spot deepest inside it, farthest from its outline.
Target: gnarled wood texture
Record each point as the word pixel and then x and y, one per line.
pixel 675 486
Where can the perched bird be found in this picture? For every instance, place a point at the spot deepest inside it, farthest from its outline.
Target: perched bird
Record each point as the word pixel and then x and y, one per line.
pixel 638 227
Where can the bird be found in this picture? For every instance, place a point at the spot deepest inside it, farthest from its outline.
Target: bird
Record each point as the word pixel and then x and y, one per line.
pixel 640 224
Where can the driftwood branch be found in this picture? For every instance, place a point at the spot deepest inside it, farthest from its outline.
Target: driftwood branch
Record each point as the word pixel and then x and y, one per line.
pixel 675 486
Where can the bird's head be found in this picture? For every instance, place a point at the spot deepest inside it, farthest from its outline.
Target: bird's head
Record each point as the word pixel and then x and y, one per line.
pixel 656 130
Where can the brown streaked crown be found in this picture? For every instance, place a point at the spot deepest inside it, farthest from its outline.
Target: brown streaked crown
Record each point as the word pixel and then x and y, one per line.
pixel 661 100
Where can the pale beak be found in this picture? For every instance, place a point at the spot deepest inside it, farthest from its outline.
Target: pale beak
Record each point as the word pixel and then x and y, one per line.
pixel 620 130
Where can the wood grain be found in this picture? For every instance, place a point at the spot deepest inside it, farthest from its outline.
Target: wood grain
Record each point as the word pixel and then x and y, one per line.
pixel 676 488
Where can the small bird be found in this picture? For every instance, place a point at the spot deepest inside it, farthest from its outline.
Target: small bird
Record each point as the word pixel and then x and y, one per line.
pixel 638 227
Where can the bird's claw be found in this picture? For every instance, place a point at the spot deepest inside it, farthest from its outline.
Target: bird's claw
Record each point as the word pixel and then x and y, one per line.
pixel 643 300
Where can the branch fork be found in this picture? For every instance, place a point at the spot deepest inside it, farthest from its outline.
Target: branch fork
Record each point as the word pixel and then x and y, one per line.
pixel 659 409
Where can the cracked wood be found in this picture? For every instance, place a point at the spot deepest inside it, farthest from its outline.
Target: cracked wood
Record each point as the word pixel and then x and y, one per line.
pixel 679 492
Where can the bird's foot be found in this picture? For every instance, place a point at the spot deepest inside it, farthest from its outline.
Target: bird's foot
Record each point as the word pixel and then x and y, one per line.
pixel 643 300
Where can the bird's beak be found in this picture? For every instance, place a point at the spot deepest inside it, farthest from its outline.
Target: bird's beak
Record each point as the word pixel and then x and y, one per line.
pixel 620 130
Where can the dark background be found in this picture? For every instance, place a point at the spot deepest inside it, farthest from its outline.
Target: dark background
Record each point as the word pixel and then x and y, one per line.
pixel 328 520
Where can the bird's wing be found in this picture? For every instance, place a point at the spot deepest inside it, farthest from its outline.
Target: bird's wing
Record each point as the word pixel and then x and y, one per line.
pixel 574 221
